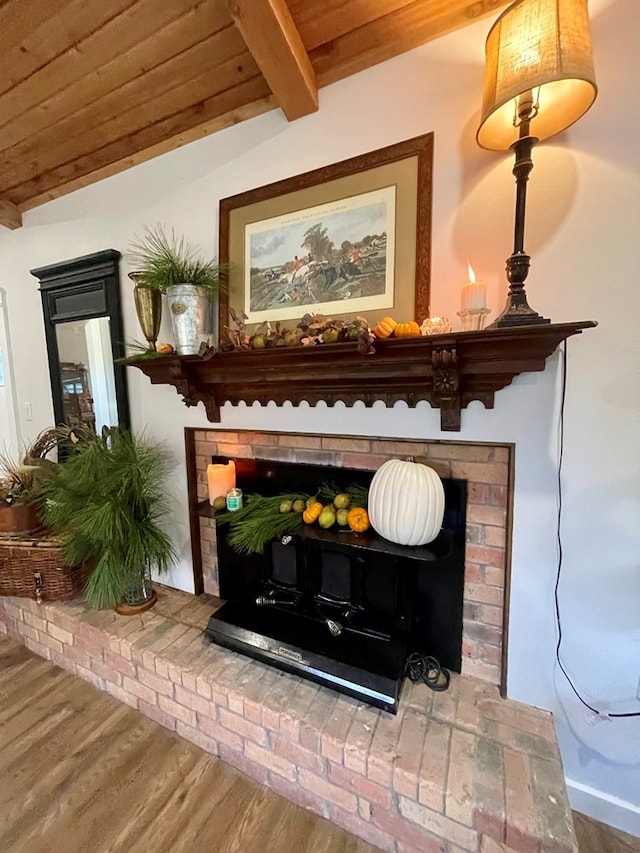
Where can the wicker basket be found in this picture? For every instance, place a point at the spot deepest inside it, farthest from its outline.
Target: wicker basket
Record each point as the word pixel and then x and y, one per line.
pixel 32 566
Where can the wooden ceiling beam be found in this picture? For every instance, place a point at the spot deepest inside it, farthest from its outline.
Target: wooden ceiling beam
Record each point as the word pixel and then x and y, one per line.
pixel 271 35
pixel 10 216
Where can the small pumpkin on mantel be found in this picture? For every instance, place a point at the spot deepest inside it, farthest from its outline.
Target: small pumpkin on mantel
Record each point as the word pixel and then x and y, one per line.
pixel 407 330
pixel 385 328
pixel 406 502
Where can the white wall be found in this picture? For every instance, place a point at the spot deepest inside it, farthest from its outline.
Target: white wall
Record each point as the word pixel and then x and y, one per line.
pixel 9 431
pixel 583 219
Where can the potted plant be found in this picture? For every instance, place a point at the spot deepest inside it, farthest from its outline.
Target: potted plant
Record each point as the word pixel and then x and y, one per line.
pixel 105 505
pixel 173 266
pixel 19 479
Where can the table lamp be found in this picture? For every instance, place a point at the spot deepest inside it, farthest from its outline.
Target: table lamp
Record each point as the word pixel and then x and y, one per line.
pixel 539 80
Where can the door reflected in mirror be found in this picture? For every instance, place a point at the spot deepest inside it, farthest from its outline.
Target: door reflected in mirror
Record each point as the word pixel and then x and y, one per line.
pixel 86 373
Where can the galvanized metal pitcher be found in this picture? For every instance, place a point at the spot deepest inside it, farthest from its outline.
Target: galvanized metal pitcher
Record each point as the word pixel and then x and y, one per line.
pixel 190 308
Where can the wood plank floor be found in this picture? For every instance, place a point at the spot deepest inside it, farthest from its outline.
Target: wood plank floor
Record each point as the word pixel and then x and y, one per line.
pixel 82 773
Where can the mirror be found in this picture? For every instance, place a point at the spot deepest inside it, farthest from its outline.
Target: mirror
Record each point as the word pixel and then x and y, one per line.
pixel 86 373
pixel 83 328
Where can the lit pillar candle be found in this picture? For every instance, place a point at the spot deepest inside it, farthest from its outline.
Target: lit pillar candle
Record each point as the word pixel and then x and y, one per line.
pixel 474 293
pixel 220 480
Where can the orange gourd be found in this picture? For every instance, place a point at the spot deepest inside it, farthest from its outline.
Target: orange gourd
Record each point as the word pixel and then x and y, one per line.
pixel 385 328
pixel 358 520
pixel 312 513
pixel 406 330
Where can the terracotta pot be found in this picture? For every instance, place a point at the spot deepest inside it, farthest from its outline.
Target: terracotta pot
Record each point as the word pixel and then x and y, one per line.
pixel 18 518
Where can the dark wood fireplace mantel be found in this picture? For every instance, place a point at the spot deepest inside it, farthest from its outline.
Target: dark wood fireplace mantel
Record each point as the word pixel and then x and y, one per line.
pixel 449 371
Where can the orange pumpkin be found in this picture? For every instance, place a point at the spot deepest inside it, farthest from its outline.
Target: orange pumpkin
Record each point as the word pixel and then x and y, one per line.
pixel 385 328
pixel 312 513
pixel 358 519
pixel 406 330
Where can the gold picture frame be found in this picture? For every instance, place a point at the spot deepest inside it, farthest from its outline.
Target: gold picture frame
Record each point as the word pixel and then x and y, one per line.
pixel 396 179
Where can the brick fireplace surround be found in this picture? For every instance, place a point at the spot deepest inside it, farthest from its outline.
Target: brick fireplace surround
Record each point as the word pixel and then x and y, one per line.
pixel 488 471
pixel 464 770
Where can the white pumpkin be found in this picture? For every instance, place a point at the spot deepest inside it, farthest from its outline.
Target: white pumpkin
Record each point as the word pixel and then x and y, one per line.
pixel 406 502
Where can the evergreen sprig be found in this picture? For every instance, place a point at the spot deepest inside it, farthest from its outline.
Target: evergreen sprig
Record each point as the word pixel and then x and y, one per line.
pixel 105 505
pixel 167 260
pixel 259 521
pixel 359 493
pixel 138 352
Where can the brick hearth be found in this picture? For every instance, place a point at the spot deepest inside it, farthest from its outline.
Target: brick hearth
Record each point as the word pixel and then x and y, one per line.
pixel 457 771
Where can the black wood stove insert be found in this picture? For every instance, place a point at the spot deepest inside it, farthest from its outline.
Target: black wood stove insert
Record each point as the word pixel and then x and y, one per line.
pixel 339 608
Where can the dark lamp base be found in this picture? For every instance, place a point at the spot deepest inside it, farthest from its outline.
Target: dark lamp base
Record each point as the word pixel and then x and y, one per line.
pixel 510 318
pixel 517 311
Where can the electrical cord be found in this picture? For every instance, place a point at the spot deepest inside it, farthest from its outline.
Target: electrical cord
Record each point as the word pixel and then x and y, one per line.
pixel 563 396
pixel 427 669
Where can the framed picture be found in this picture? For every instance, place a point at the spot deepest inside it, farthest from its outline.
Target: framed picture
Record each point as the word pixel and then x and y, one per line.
pixel 350 238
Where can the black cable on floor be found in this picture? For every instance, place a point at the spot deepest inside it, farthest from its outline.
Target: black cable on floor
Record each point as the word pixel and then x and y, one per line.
pixel 563 396
pixel 427 669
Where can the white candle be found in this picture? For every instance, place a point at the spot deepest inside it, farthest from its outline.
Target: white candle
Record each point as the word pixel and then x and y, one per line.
pixel 474 293
pixel 221 479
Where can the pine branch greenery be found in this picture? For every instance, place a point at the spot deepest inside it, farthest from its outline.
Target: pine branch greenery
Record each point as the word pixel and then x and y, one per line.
pixel 359 493
pixel 165 260
pixel 138 352
pixel 259 521
pixel 105 505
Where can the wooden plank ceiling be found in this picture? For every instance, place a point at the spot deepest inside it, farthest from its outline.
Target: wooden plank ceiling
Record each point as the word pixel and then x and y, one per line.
pixel 89 88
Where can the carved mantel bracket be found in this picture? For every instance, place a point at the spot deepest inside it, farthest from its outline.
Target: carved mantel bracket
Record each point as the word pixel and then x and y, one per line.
pixel 449 371
pixel 446 386
pixel 178 376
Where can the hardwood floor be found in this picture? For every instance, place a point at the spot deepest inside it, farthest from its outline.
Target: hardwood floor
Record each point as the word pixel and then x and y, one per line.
pixel 82 773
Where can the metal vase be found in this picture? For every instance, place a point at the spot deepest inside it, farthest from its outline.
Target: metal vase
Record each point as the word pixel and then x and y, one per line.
pixel 148 302
pixel 190 307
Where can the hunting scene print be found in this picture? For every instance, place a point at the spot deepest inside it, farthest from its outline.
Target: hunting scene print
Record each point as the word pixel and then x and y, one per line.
pixel 335 257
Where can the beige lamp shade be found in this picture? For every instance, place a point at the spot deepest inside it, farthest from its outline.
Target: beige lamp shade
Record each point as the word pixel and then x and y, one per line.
pixel 536 45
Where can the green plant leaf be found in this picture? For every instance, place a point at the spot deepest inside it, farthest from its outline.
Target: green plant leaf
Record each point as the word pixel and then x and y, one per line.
pixel 165 260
